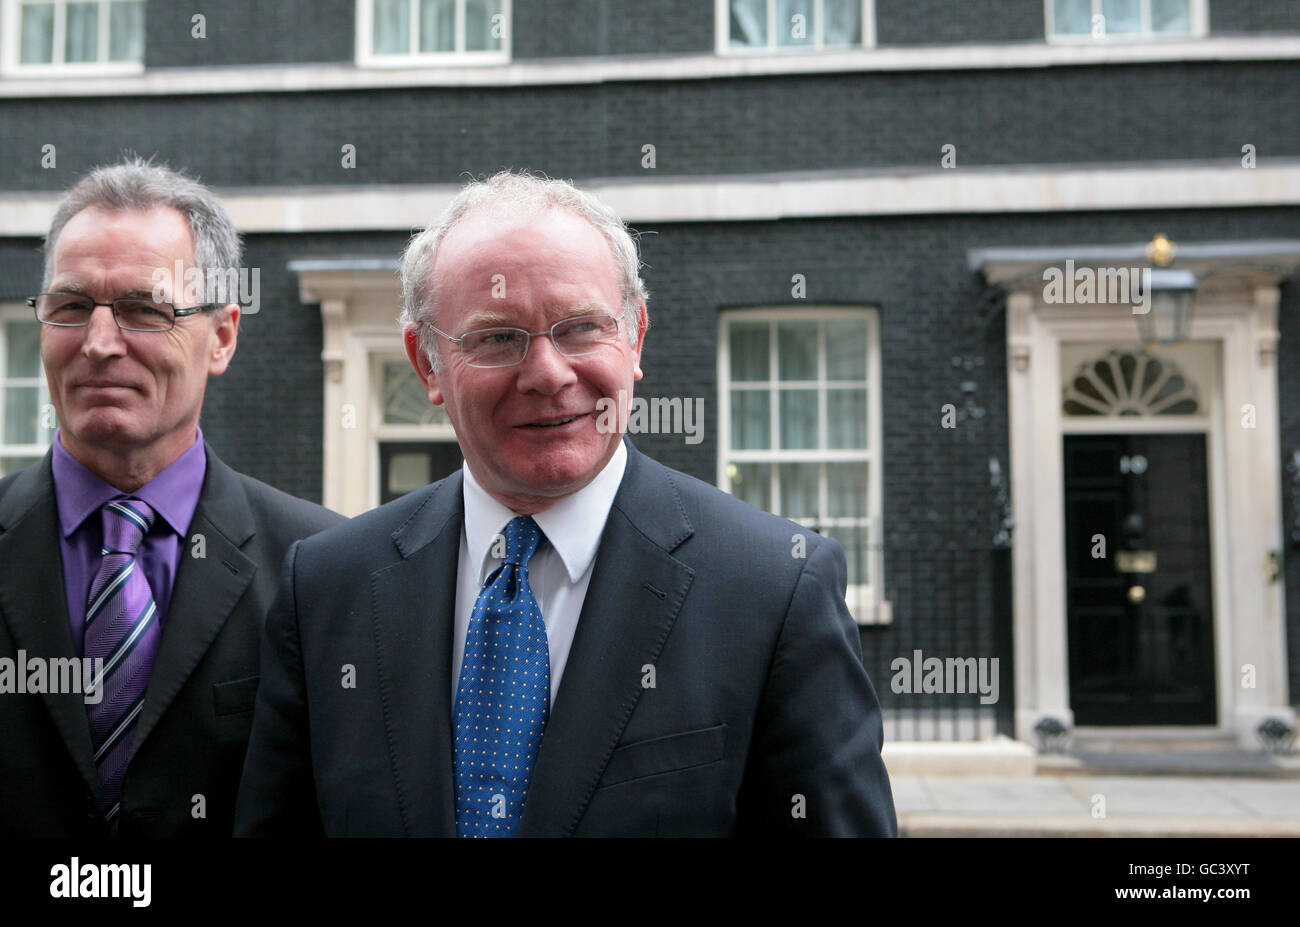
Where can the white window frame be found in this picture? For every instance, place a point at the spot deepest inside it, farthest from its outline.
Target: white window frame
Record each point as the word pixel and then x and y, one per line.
pixel 10 312
pixel 869 597
pixel 1200 26
pixel 11 64
pixel 366 56
pixel 722 31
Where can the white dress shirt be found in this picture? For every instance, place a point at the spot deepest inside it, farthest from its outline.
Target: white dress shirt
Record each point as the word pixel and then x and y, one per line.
pixel 559 572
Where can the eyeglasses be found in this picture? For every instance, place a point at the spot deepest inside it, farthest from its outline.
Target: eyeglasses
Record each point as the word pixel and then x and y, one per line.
pixel 505 347
pixel 132 314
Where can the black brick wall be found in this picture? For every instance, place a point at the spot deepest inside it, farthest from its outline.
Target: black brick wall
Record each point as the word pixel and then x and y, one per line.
pixel 663 27
pixel 1236 16
pixel 938 329
pixel 250 32
pixel 935 22
pixel 546 29
pixel 801 122
pixel 243 32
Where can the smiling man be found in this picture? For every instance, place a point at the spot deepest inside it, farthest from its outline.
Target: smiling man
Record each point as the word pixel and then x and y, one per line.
pixel 131 545
pixel 564 637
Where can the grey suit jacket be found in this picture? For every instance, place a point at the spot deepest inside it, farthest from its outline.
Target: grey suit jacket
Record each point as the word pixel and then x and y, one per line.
pixel 759 717
pixel 189 742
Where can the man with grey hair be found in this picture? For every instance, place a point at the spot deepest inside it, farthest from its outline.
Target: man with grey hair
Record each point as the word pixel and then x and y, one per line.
pixel 564 637
pixel 131 550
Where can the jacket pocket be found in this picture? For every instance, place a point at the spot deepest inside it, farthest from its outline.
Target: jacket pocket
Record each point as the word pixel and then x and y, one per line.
pixel 230 698
pixel 669 753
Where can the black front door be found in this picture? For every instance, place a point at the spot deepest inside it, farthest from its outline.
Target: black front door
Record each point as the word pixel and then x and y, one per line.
pixel 1137 544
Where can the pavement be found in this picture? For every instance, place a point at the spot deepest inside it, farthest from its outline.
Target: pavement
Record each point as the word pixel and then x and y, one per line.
pixel 1110 795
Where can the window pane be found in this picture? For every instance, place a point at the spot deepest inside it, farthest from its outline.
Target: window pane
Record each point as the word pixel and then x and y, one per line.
pixel 1123 17
pixel 843 22
pixel 846 489
pixel 22 410
pixel 37 33
pixel 749 350
pixel 794 22
pixel 797 350
pixel 1072 17
pixel 22 349
pixel 408 472
pixel 752 483
pixel 479 26
pixel 799 491
pixel 750 420
pixel 748 23
pixel 1173 16
pixel 391 27
pixel 798 419
pixel 846 349
pixel 437 25
pixel 846 419
pixel 406 402
pixel 126 32
pixel 81 43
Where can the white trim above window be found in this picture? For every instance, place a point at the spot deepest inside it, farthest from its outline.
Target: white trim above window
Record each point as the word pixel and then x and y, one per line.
pixel 766 197
pixel 1125 20
pixel 546 72
pixel 62 38
pixel 412 37
pixel 785 27
pixel 799 430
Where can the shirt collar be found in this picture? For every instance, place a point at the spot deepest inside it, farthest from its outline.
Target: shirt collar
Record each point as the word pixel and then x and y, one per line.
pixel 573 525
pixel 173 493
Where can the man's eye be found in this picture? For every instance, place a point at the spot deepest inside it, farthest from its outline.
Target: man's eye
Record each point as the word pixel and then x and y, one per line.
pixel 142 308
pixel 499 338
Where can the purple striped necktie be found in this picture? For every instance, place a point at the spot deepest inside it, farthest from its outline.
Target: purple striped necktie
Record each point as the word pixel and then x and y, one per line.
pixel 122 630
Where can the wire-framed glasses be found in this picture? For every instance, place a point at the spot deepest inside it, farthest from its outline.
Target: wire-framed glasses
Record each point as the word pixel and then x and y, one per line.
pixel 505 347
pixel 131 313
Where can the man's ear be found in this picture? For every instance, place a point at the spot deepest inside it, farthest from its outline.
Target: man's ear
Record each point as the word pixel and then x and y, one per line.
pixel 642 323
pixel 420 361
pixel 227 334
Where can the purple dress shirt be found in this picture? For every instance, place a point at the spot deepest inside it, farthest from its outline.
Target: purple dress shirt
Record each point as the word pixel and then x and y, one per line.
pixel 173 494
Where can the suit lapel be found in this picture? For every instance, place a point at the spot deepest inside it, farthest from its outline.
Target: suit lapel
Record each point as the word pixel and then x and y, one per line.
pixel 637 588
pixel 206 589
pixel 33 598
pixel 414 615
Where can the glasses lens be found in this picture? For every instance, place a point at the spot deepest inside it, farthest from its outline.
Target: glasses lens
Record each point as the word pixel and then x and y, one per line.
pixel 144 315
pixel 584 335
pixel 494 347
pixel 63 308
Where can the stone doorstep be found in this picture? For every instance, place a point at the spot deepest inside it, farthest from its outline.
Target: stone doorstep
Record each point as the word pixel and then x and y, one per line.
pixel 929 824
pixel 1000 756
pixel 1169 763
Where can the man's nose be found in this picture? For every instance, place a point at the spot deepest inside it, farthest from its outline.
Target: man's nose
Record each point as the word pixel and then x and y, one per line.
pixel 544 369
pixel 103 337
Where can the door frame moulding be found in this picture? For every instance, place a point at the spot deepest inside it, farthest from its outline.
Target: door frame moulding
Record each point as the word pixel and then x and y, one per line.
pixel 1236 311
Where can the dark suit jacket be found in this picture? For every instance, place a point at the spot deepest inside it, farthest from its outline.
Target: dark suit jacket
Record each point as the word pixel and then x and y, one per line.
pixel 760 706
pixel 193 730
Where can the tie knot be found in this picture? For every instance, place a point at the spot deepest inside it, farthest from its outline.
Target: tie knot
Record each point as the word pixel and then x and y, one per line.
pixel 522 539
pixel 126 522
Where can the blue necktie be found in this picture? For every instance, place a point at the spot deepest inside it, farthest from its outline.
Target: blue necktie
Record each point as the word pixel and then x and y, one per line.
pixel 503 695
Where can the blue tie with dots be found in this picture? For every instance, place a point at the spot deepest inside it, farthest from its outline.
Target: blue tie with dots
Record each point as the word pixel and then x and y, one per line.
pixel 503 696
